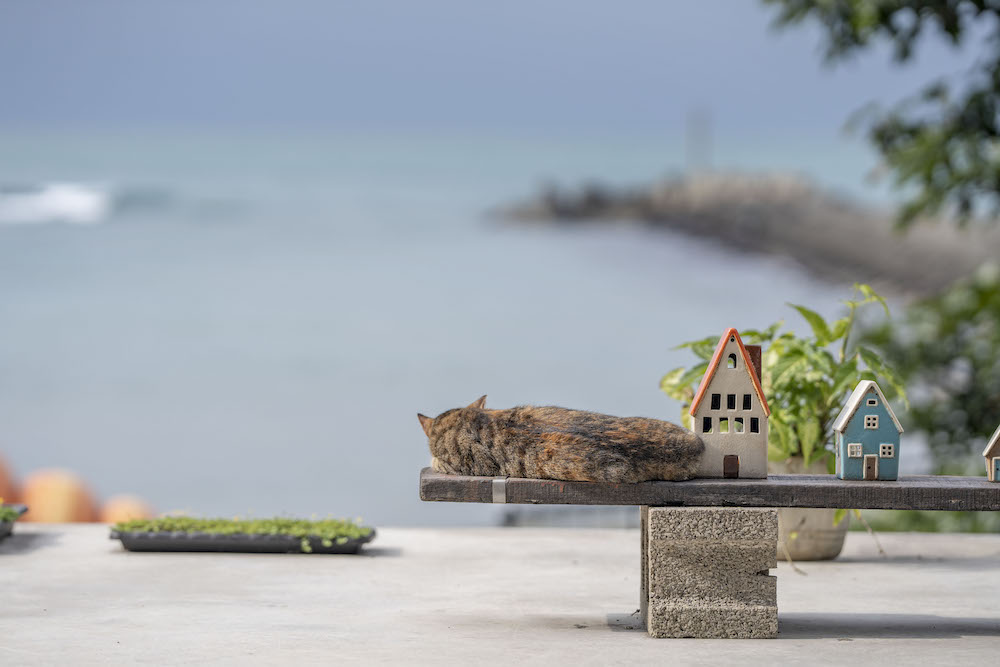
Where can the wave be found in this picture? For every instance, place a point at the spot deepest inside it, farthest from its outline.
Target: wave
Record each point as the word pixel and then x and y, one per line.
pixel 71 203
pixel 76 203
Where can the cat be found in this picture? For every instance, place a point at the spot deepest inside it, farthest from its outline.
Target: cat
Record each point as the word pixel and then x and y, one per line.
pixel 558 443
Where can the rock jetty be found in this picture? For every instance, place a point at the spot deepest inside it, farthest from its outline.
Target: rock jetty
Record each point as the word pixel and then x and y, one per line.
pixel 830 235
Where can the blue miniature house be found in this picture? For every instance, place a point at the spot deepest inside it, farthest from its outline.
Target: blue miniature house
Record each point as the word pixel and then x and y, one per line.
pixel 866 435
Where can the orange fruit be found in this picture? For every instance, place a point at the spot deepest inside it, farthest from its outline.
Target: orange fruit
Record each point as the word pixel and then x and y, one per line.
pixel 8 489
pixel 57 496
pixel 124 508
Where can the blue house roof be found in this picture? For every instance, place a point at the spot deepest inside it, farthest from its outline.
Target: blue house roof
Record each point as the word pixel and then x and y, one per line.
pixel 854 402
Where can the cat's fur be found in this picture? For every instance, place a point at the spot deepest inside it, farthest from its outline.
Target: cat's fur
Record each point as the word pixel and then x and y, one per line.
pixel 557 443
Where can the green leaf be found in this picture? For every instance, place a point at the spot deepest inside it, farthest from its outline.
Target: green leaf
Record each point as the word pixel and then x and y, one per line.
pixel 779 440
pixel 845 378
pixel 775 453
pixel 670 385
pixel 703 349
pixel 820 330
pixel 822 360
pixel 808 432
pixel 879 367
pixel 839 516
pixel 872 296
pixel 839 328
pixel 757 337
pixel 791 362
pixel 693 375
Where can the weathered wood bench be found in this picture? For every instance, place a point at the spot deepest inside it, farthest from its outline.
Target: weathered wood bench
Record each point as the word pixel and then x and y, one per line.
pixel 708 544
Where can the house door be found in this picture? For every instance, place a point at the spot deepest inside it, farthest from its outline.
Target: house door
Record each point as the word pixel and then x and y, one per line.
pixel 996 468
pixel 871 466
pixel 730 466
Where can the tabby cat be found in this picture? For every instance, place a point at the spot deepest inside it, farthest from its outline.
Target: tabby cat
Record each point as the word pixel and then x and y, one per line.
pixel 557 443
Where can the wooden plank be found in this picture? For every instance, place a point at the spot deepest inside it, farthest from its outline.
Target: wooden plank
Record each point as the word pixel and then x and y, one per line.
pixel 924 492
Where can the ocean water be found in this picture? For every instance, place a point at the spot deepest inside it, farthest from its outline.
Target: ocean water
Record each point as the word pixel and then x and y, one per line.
pixel 248 324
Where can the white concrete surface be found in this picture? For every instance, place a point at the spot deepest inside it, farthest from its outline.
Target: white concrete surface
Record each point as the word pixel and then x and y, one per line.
pixel 505 596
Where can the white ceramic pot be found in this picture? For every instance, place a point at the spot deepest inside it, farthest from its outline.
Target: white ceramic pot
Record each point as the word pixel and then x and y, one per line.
pixel 807 534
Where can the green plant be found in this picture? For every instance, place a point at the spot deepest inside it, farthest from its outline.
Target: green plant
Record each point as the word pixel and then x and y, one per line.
pixel 945 348
pixel 7 513
pixel 806 380
pixel 933 522
pixel 327 530
pixel 940 145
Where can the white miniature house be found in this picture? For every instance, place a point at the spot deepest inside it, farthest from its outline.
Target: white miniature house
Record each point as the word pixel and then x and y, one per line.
pixel 730 413
pixel 992 456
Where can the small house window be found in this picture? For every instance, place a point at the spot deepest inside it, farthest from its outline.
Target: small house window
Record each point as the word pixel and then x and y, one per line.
pixel 746 401
pixel 754 425
pixel 854 450
pixel 706 424
pixel 730 401
pixel 886 451
pixel 871 422
pixel 738 425
pixel 716 401
pixel 724 425
pixel 872 402
pixel 731 362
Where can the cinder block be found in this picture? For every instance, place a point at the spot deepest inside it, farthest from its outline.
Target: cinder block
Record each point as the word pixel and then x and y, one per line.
pixel 705 572
pixel 688 585
pixel 712 523
pixel 669 619
pixel 738 556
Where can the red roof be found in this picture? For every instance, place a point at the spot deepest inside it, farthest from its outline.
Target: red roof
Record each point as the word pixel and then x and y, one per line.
pixel 713 365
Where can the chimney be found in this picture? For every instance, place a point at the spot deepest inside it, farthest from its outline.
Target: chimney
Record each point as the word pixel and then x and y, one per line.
pixel 754 352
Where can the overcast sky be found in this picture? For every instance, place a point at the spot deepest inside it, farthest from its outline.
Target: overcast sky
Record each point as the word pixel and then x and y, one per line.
pixel 619 66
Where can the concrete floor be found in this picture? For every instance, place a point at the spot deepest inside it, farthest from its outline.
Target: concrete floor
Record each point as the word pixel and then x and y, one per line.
pixel 505 596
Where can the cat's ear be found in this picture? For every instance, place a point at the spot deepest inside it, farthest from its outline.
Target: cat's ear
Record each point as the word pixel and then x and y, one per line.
pixel 479 402
pixel 425 423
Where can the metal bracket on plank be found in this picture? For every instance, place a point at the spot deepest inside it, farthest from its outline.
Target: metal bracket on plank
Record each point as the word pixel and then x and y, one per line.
pixel 500 489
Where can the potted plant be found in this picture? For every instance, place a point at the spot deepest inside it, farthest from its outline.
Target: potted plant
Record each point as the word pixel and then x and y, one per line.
pixel 806 381
pixel 8 515
pixel 279 535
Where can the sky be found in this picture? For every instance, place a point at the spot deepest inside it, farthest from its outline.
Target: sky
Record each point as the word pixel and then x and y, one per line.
pixel 622 67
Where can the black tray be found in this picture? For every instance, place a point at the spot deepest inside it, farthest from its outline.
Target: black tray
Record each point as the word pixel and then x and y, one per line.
pixel 239 543
pixel 7 526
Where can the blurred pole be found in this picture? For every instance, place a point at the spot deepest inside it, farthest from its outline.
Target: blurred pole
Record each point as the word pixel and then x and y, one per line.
pixel 698 141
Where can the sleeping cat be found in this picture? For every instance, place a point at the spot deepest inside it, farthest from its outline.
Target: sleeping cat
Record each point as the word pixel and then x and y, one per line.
pixel 557 443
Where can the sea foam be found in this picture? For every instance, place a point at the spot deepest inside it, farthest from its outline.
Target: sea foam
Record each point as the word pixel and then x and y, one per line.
pixel 71 203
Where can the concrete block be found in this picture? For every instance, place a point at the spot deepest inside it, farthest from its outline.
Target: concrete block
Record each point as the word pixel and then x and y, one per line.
pixel 712 523
pixel 705 572
pixel 690 585
pixel 738 556
pixel 668 619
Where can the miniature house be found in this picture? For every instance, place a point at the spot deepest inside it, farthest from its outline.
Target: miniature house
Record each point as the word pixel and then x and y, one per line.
pixel 867 436
pixel 730 412
pixel 992 455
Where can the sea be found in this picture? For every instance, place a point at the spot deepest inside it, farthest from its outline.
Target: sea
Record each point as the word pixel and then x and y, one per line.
pixel 246 323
